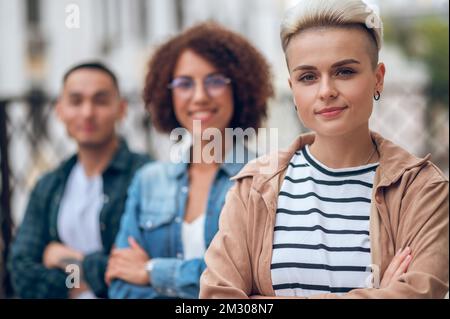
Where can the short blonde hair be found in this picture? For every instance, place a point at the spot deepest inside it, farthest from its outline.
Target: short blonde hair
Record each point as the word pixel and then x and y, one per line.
pixel 330 13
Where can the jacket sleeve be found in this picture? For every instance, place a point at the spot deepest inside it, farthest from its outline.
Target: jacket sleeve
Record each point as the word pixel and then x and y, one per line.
pixel 30 278
pixel 229 254
pixel 171 277
pixel 424 228
pixel 94 268
pixel 120 289
pixel 129 226
pixel 177 278
pixel 95 264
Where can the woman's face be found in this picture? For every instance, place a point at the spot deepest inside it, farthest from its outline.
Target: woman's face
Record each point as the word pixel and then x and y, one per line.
pixel 332 80
pixel 201 93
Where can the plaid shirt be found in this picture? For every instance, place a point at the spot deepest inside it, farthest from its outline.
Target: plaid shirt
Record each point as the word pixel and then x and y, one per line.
pixel 29 276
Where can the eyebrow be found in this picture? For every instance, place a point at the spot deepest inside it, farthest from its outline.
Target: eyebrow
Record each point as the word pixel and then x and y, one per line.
pixel 100 93
pixel 74 94
pixel 335 65
pixel 207 75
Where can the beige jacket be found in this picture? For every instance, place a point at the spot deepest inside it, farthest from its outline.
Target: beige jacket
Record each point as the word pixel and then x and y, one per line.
pixel 409 208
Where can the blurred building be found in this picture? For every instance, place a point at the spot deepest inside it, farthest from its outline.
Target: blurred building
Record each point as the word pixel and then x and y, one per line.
pixel 40 39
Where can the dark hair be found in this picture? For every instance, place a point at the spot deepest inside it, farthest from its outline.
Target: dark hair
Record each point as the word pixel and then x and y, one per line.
pixel 231 54
pixel 94 66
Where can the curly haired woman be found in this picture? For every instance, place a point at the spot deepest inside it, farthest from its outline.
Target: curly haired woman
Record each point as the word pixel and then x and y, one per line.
pixel 213 77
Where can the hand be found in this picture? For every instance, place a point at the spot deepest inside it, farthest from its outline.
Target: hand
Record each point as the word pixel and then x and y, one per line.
pixel 56 255
pixel 128 264
pixel 397 267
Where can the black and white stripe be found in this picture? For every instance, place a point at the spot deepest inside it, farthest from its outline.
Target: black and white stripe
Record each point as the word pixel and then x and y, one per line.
pixel 321 236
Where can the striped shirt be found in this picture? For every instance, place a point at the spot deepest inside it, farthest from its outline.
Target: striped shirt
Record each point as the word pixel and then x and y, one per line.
pixel 321 237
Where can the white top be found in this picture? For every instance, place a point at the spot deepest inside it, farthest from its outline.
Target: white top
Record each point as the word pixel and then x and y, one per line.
pixel 193 238
pixel 321 236
pixel 79 213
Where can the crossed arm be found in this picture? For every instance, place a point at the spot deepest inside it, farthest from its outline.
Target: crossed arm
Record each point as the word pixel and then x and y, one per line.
pixel 424 229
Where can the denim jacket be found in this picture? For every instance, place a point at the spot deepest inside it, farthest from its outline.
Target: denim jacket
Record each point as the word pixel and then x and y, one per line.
pixel 153 216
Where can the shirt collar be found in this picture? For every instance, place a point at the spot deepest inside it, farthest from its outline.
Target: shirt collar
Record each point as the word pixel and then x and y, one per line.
pixel 235 160
pixel 120 159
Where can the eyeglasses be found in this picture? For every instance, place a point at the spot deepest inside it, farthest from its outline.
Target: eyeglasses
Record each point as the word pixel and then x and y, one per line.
pixel 184 86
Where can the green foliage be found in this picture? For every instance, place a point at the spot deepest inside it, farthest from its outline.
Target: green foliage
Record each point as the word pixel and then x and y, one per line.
pixel 426 39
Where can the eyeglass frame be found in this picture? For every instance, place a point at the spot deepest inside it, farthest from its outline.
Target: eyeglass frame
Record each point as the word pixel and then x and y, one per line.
pixel 227 81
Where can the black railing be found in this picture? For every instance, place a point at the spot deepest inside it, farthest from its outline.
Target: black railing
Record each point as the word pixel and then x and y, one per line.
pixel 5 209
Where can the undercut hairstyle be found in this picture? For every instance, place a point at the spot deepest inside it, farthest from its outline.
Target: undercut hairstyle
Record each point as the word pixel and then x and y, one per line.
pixel 349 14
pixel 93 66
pixel 231 54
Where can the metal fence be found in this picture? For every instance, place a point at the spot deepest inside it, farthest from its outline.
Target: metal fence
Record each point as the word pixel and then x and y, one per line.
pixel 33 141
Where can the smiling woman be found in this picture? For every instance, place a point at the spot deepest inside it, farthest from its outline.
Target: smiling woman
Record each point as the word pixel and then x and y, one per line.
pixel 196 81
pixel 347 213
pixel 210 75
pixel 219 50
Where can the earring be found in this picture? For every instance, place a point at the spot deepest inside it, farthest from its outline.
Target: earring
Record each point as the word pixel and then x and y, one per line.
pixel 377 96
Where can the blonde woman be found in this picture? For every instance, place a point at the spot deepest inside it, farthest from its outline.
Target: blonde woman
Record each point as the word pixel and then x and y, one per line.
pixel 346 213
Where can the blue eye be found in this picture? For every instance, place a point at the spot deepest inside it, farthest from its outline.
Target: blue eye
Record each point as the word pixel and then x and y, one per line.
pixel 345 72
pixel 307 78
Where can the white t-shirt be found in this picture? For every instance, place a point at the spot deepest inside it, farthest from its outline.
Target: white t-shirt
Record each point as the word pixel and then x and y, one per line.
pixel 321 237
pixel 79 213
pixel 193 238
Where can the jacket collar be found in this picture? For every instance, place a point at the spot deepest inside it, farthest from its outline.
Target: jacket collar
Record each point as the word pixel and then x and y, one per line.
pixel 120 161
pixel 232 164
pixel 268 166
pixel 394 161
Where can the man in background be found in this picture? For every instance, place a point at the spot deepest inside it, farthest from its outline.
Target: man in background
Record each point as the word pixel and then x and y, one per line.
pixel 74 212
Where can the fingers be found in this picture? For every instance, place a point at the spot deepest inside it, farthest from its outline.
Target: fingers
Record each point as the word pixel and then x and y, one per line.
pixel 122 252
pixel 115 270
pixel 108 277
pixel 119 262
pixel 110 272
pixel 398 260
pixel 403 266
pixel 118 252
pixel 134 244
pixel 122 263
pixel 397 267
pixel 126 254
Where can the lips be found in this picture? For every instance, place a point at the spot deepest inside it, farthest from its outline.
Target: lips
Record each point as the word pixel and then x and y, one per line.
pixel 88 128
pixel 202 115
pixel 331 111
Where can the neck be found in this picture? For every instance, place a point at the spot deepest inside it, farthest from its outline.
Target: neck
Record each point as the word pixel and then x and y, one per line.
pixel 355 149
pixel 95 158
pixel 209 153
